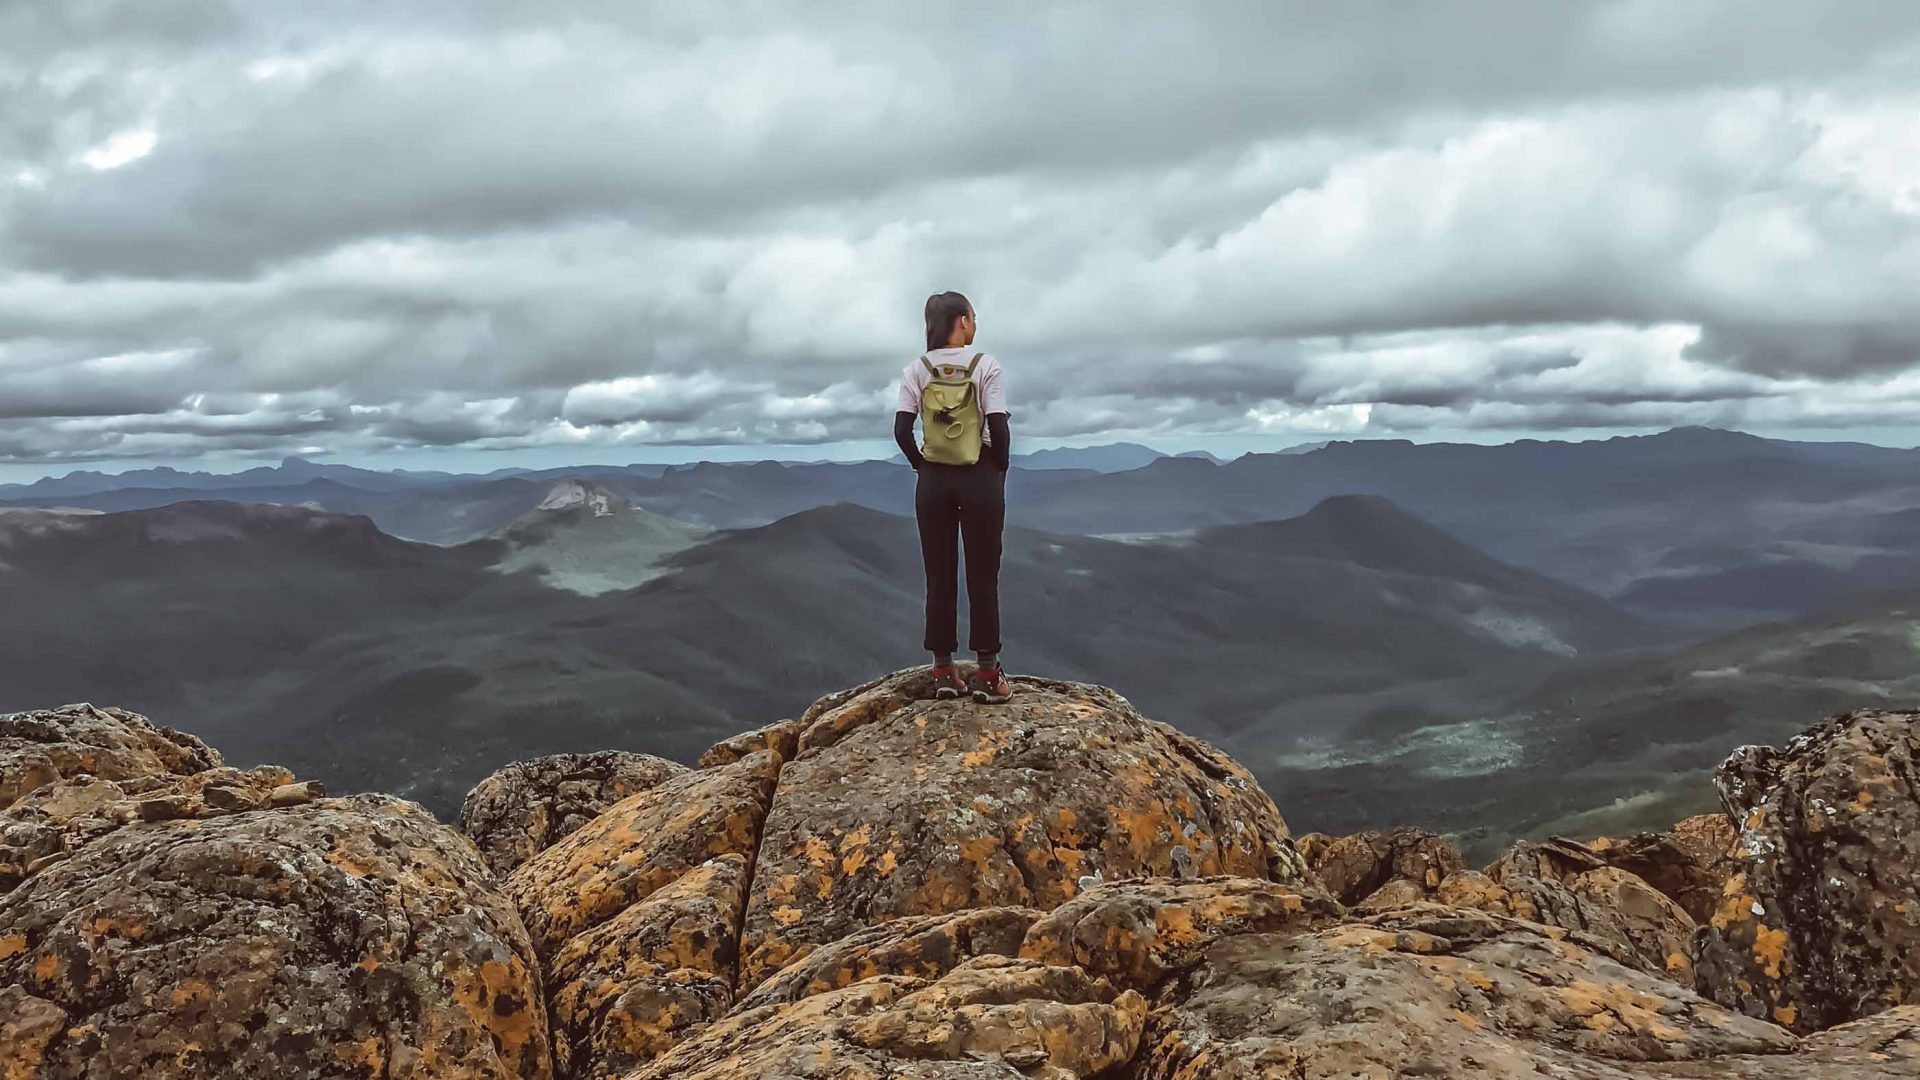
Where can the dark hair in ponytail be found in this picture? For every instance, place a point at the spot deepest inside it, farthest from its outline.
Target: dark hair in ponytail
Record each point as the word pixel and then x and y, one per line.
pixel 943 310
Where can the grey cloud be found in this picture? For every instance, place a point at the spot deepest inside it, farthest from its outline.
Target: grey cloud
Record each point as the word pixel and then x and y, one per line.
pixel 1829 351
pixel 451 224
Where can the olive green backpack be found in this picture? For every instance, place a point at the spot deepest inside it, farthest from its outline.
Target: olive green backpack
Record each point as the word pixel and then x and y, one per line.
pixel 950 419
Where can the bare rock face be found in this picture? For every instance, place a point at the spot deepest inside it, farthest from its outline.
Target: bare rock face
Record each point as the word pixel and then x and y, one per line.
pixel 1435 992
pixel 627 990
pixel 643 843
pixel 924 946
pixel 900 805
pixel 1138 933
pixel 1355 867
pixel 1689 863
pixel 1821 925
pixel 341 938
pixel 521 810
pixel 782 738
pixel 1562 883
pixel 57 819
pixel 40 748
pixel 992 1018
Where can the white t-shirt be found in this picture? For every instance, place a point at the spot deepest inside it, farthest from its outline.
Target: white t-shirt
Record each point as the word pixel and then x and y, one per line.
pixel 987 380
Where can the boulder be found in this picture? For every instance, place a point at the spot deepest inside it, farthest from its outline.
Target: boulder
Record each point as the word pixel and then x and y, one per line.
pixel 1353 868
pixel 1561 883
pixel 39 748
pixel 640 844
pixel 1435 992
pixel 926 946
pixel 991 1018
pixel 55 820
pixel 525 807
pixel 1139 933
pixel 630 988
pixel 343 938
pixel 1689 863
pixel 900 805
pixel 782 738
pixel 1821 922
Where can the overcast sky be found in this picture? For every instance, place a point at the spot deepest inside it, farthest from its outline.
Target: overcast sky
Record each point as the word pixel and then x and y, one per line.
pixel 481 233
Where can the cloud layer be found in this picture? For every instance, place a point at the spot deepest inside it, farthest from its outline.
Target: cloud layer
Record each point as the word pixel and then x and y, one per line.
pixel 249 229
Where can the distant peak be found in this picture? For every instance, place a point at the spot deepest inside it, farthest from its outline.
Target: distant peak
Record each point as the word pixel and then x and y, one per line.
pixel 574 492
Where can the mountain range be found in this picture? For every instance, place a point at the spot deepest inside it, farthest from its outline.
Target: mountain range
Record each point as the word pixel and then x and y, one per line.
pixel 1373 656
pixel 1714 528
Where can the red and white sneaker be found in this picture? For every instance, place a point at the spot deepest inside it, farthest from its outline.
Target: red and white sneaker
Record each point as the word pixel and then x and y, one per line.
pixel 947 682
pixel 989 686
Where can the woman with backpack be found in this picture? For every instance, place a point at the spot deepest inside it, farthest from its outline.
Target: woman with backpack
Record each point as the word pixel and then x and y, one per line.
pixel 960 492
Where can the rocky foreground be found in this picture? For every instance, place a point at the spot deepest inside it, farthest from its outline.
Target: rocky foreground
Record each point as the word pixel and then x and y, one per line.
pixel 894 888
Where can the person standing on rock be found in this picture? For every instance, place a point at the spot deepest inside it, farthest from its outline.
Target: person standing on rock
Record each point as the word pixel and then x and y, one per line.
pixel 960 492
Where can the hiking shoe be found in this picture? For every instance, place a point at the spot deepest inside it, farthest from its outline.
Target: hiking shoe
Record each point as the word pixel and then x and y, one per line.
pixel 947 682
pixel 990 686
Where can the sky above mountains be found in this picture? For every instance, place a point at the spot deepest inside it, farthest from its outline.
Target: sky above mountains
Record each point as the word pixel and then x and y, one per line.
pixel 428 232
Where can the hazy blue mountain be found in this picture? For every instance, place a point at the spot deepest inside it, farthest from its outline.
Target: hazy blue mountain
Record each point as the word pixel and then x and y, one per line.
pixel 1112 457
pixel 1711 528
pixel 317 640
pixel 1607 745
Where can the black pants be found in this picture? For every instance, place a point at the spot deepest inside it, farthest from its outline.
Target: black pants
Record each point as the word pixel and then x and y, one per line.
pixel 954 503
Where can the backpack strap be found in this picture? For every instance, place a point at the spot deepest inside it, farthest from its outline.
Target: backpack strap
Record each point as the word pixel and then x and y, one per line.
pixel 972 363
pixel 930 368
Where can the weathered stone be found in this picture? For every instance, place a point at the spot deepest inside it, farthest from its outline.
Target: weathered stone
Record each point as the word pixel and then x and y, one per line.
pixel 526 807
pixel 1821 924
pixel 296 794
pixel 925 946
pixel 1433 992
pixel 1690 862
pixel 1561 883
pixel 232 799
pixel 38 748
pixel 58 818
pixel 1136 933
pixel 344 939
pixel 782 738
pixel 639 844
pixel 1355 867
pixel 900 805
pixel 992 1018
pixel 630 988
pixel 28 1025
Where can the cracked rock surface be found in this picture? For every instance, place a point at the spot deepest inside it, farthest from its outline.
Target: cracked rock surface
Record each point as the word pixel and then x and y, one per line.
pixel 1820 923
pixel 889 887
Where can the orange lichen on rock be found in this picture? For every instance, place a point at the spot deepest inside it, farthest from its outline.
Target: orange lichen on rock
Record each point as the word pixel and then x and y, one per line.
pixel 641 844
pixel 900 805
pixel 629 989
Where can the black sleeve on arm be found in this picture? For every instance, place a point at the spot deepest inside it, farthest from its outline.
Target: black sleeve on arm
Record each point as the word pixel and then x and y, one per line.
pixel 1002 440
pixel 903 435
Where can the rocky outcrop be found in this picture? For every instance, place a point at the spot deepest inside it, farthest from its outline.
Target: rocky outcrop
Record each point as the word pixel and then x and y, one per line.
pixel 1438 992
pixel 1354 868
pixel 899 805
pixel 40 748
pixel 889 886
pixel 342 938
pixel 523 809
pixel 56 820
pixel 1689 863
pixel 992 1017
pixel 643 843
pixel 627 990
pixel 636 914
pixel 1821 922
pixel 924 946
pixel 1139 933
pixel 1564 884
